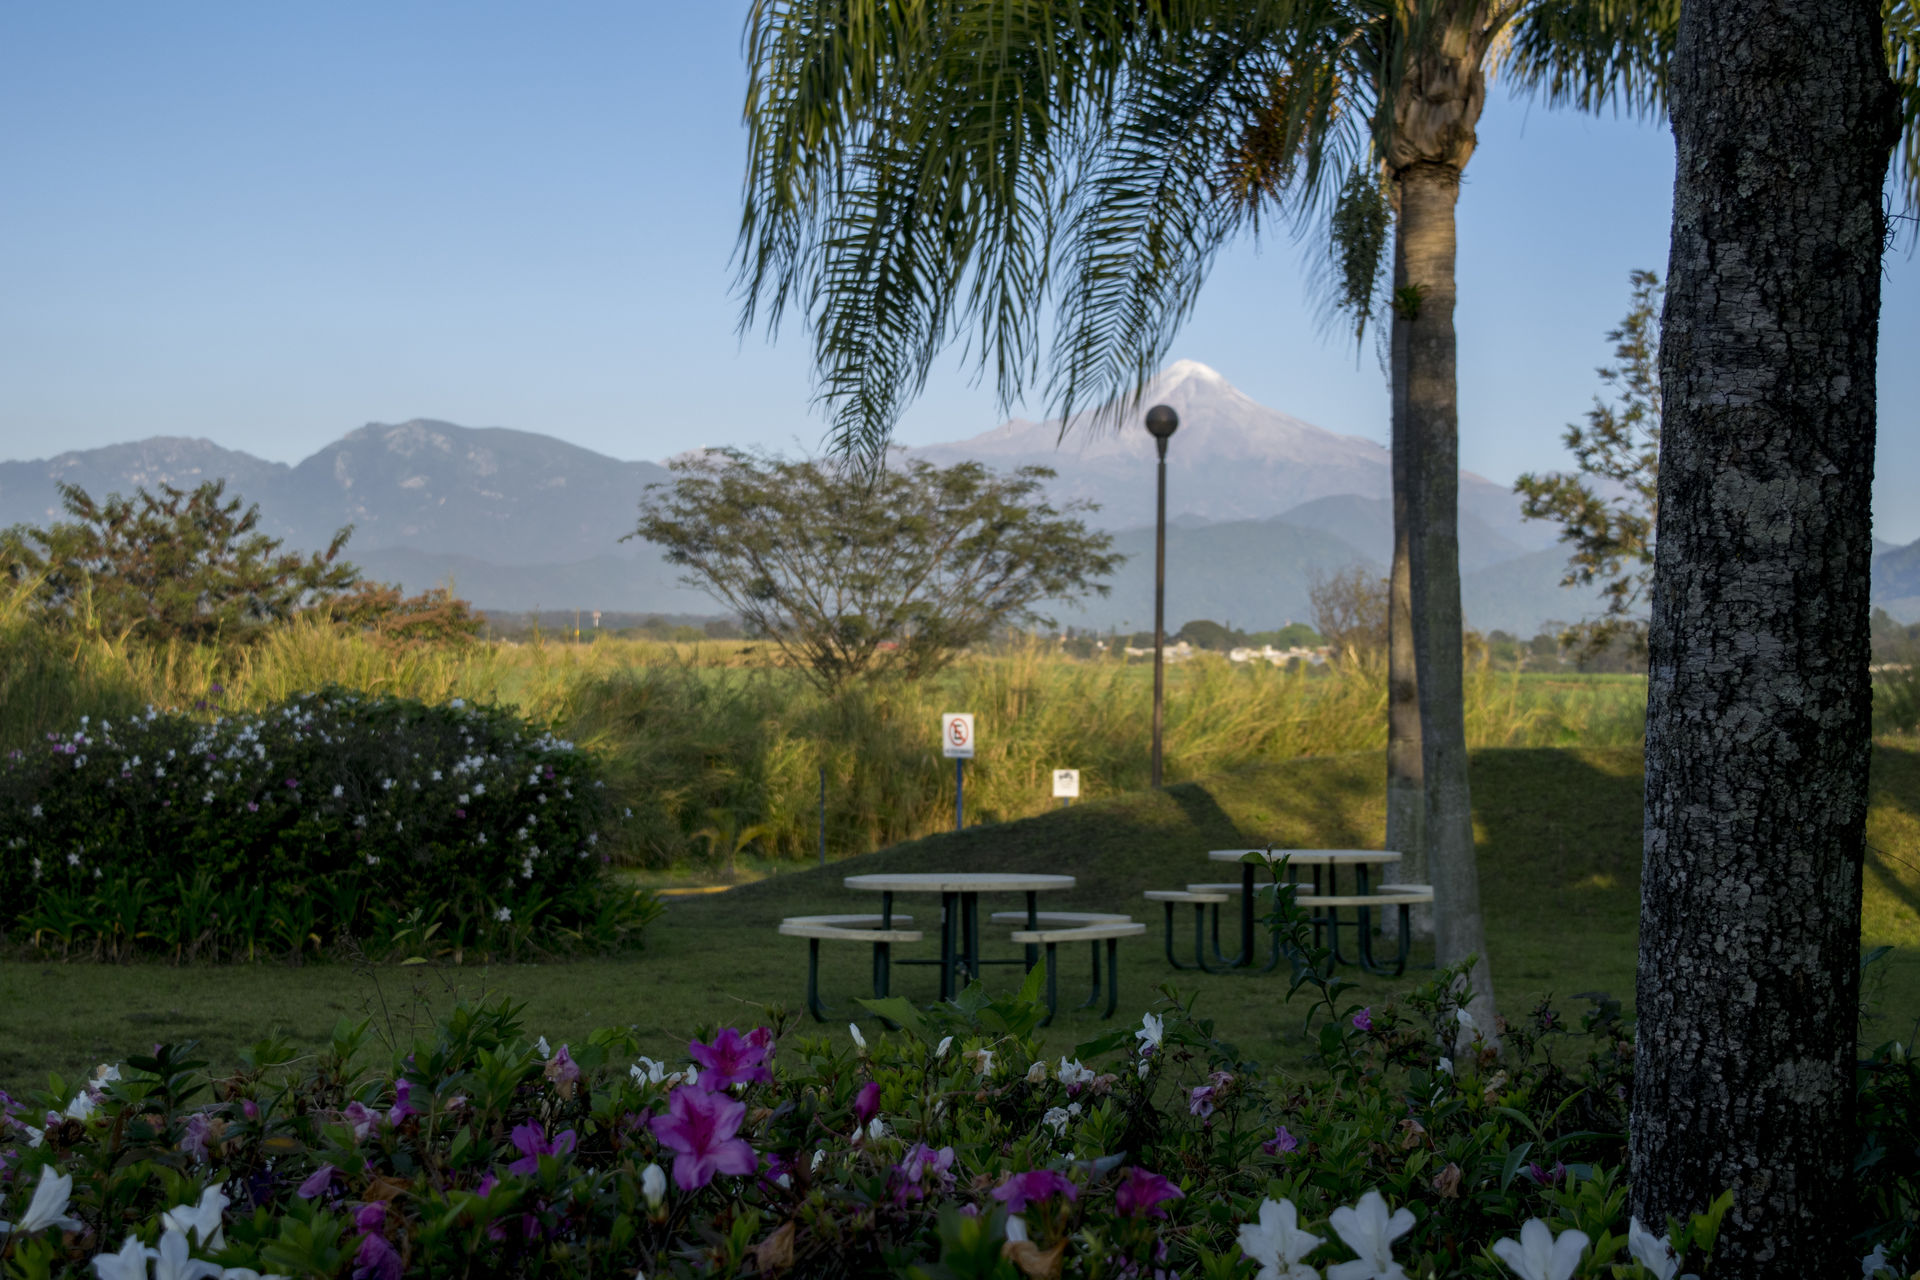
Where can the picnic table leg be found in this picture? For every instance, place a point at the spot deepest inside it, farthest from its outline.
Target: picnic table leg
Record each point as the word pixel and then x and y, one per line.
pixel 1246 916
pixel 1053 989
pixel 947 923
pixel 1093 996
pixel 970 933
pixel 814 1006
pixel 886 909
pixel 1033 922
pixel 1113 976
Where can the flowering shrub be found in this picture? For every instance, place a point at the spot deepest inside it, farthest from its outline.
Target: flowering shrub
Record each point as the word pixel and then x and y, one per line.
pixel 951 1150
pixel 328 817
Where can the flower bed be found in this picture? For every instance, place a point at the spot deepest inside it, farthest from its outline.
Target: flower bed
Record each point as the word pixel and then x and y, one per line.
pixel 330 817
pixel 949 1150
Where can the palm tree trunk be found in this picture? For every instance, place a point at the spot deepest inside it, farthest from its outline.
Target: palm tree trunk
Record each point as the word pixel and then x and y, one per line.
pixel 1427 429
pixel 1406 798
pixel 1758 699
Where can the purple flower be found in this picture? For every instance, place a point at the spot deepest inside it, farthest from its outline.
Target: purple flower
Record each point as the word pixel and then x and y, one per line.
pixel 402 1102
pixel 732 1059
pixel 376 1259
pixel 700 1127
pixel 532 1142
pixel 1547 1177
pixel 317 1182
pixel 194 1140
pixel 360 1118
pixel 562 1071
pixel 1142 1193
pixel 1281 1143
pixel 249 1108
pixel 1200 1101
pixel 293 784
pixel 252 807
pixel 866 1104
pixel 923 1163
pixel 487 1184
pixel 1021 1189
pixel 1363 1020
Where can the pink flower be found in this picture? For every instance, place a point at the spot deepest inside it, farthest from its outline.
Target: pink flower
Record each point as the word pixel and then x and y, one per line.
pixel 699 1127
pixel 866 1104
pixel 1142 1193
pixel 1040 1184
pixel 733 1059
pixel 1363 1020
pixel 532 1143
pixel 1281 1142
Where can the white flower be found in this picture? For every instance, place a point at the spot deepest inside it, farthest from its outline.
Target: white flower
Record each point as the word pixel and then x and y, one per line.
pixel 940 1050
pixel 1144 1067
pixel 1652 1252
pixel 1073 1073
pixel 1465 1019
pixel 1037 1073
pixel 1277 1243
pixel 82 1106
pixel 1016 1228
pixel 36 811
pixel 983 1062
pixel 48 1208
pixel 503 915
pixel 653 1185
pixel 1446 1065
pixel 1367 1229
pixel 436 775
pixel 1536 1255
pixel 859 1041
pixel 128 1264
pixel 106 1073
pixel 819 1154
pixel 479 788
pixel 876 1128
pixel 541 1045
pixel 1874 1263
pixel 206 798
pixel 203 1219
pixel 338 790
pixel 175 1261
pixel 247 1273
pixel 1151 1031
pixel 373 859
pixel 1058 1118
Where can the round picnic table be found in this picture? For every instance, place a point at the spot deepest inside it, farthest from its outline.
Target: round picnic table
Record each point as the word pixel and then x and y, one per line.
pixel 1360 860
pixel 960 933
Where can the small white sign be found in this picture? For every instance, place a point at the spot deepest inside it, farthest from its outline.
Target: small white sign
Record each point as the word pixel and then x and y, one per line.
pixel 956 735
pixel 1066 784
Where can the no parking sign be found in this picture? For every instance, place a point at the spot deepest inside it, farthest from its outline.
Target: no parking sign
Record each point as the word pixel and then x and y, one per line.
pixel 956 735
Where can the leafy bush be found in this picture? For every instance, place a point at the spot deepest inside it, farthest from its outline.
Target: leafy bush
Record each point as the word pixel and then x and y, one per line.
pixel 327 817
pixel 951 1150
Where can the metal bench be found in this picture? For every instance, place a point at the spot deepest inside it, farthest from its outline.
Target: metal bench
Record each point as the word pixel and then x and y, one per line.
pixel 1403 896
pixel 857 928
pixel 1109 932
pixel 1201 901
pixel 1238 962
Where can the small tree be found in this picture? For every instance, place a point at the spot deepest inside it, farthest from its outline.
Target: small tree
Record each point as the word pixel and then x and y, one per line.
pixel 178 565
pixel 854 573
pixel 1612 536
pixel 1350 610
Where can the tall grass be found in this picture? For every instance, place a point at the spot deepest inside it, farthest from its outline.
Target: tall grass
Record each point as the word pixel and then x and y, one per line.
pixel 683 730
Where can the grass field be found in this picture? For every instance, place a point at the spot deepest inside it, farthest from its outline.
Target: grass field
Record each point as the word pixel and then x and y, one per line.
pixel 1559 842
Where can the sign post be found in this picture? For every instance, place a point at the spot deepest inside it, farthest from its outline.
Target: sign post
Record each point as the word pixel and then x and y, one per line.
pixel 1066 786
pixel 956 742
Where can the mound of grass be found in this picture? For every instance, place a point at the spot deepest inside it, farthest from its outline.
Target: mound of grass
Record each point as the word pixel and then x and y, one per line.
pixel 1559 835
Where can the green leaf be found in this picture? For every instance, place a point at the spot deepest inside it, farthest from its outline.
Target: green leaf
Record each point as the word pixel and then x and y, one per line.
pixel 1511 1167
pixel 897 1009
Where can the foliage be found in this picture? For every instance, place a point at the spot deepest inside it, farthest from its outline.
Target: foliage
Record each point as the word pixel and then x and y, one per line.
pixel 854 575
pixel 949 1149
pixel 326 818
pixel 1608 511
pixel 192 566
pixel 1350 610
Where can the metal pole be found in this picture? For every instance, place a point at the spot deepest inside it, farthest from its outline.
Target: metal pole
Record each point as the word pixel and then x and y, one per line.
pixel 959 793
pixel 1162 422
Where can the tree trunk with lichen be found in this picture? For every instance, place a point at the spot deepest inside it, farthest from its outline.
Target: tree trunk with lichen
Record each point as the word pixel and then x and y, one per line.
pixel 1435 108
pixel 1758 698
pixel 1406 797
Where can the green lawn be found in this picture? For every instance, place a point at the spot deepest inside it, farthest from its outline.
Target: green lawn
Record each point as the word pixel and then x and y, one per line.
pixel 1559 854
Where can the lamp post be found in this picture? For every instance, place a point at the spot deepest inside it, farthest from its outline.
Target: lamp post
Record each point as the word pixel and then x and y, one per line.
pixel 1162 422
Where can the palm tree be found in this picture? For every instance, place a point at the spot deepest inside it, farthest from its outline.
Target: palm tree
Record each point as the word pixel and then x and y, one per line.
pixel 921 173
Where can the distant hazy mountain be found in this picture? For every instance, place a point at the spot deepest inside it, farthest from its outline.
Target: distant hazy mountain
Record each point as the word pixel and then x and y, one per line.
pixel 1231 459
pixel 1258 503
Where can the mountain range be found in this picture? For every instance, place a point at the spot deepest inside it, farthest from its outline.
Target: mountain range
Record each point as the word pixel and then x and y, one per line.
pixel 1259 503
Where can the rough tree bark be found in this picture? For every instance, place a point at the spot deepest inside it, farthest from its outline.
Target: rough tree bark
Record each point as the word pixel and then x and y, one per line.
pixel 1758 698
pixel 1406 794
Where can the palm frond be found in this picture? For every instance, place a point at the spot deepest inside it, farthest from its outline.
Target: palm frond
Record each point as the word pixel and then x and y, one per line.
pixel 1900 19
pixel 1592 54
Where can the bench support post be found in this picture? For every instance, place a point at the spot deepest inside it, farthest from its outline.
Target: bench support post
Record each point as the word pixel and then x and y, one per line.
pixel 814 1006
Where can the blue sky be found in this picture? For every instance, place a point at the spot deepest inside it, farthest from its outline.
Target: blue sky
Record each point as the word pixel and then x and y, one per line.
pixel 270 224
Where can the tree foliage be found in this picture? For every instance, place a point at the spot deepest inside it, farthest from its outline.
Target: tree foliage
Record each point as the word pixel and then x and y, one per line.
pixel 193 566
pixel 1606 511
pixel 856 574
